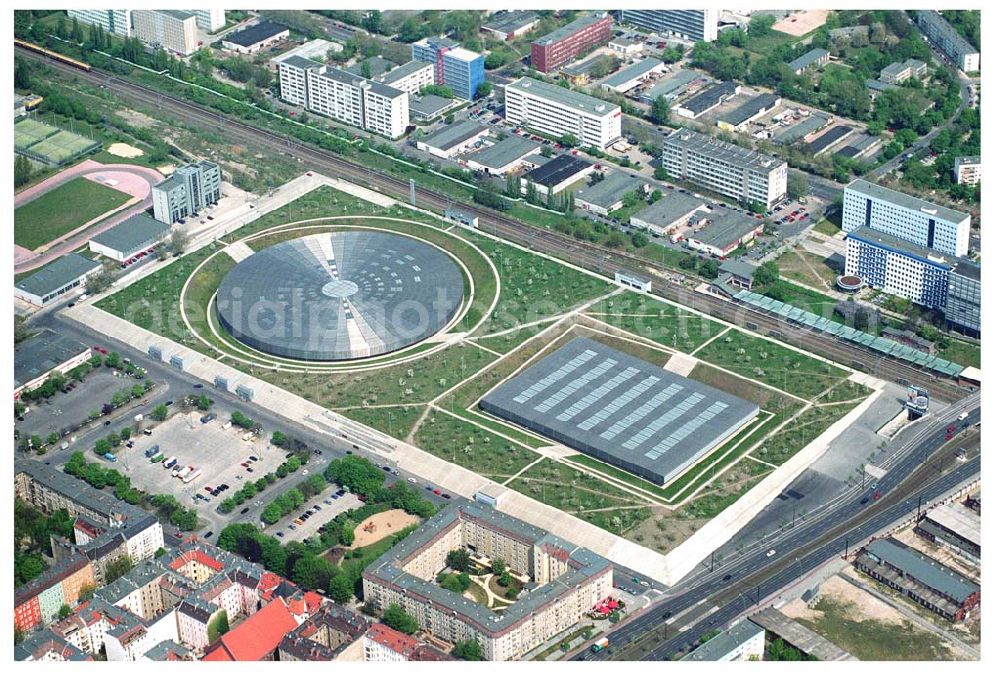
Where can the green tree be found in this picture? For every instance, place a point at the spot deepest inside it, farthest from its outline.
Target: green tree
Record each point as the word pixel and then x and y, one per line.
pixel 767 274
pixel 22 73
pixel 498 566
pixel 468 650
pixel 659 112
pixel 341 588
pixel 117 568
pixel 798 185
pixel 459 559
pixel 86 592
pixel 22 171
pixel 568 140
pixel 398 619
pixel 65 611
pixel 160 412
pixel 218 626
pixel 484 89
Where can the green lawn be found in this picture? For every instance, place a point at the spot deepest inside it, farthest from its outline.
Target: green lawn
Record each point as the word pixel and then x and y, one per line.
pixel 62 210
pixel 581 495
pixel 961 352
pixel 396 421
pixel 800 432
pixel 808 268
pixel 768 362
pixel 824 226
pixel 661 322
pixel 469 446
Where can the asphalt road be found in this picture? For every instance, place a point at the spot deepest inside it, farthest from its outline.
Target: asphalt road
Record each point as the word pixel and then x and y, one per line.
pixel 736 587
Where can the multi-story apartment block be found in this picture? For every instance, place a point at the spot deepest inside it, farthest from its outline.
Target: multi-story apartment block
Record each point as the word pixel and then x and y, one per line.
pixel 968 170
pixel 899 267
pixel 965 290
pixel 690 24
pixel 569 580
pixel 897 73
pixel 944 36
pixel 459 69
pixel 410 77
pixel 567 43
pixel 744 175
pixel 211 19
pixel 189 190
pixel 381 643
pixel 920 222
pixel 557 111
pixel 346 97
pixel 330 633
pixel 115 21
pixel 172 29
pixel 38 602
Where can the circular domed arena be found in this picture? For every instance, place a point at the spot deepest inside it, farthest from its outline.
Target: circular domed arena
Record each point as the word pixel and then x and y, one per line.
pixel 340 295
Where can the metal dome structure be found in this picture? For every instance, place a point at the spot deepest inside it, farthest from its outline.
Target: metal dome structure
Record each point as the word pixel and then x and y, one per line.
pixel 340 295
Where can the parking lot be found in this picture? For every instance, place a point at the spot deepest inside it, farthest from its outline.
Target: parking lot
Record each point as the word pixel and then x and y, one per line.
pixel 330 505
pixel 68 410
pixel 216 451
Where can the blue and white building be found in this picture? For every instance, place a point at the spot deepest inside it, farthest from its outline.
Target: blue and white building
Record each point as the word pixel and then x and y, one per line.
pixel 899 267
pixel 457 68
pixel 919 222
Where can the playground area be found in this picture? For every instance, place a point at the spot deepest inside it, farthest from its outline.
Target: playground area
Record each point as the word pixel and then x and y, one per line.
pixel 800 23
pixel 380 525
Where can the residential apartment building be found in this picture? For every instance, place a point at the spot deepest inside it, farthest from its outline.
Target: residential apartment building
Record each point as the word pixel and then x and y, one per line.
pixel 814 58
pixel 968 170
pixel 331 632
pixel 172 29
pixel 570 580
pixel 920 578
pixel 744 175
pixel 343 96
pixel 187 191
pixel 897 73
pixel 920 222
pixel 557 111
pixel 115 21
pixel 565 44
pixel 381 643
pixel 690 24
pixel 944 36
pixel 211 19
pixel 457 68
pixel 965 290
pixel 899 267
pixel 38 601
pixel 410 77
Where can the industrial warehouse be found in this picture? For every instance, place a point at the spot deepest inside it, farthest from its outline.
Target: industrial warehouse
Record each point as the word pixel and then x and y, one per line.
pixel 620 409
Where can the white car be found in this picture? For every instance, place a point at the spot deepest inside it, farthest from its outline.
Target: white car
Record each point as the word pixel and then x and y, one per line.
pixel 770 553
pixel 411 480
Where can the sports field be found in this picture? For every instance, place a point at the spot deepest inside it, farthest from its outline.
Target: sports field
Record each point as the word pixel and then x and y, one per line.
pixel 62 210
pixel 49 144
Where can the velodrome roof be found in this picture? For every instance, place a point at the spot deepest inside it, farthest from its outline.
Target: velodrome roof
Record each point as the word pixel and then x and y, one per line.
pixel 620 409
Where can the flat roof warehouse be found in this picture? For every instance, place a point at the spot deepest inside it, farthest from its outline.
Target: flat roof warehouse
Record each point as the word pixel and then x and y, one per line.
pixel 620 409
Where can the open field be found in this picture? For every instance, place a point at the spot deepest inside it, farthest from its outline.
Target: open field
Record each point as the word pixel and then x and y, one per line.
pixel 469 446
pixel 581 495
pixel 394 420
pixel 824 226
pixel 658 321
pixel 844 623
pixel 772 364
pixel 62 210
pixel 808 268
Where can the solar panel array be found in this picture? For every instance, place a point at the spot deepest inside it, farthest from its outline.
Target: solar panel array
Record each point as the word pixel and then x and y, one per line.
pixel 620 409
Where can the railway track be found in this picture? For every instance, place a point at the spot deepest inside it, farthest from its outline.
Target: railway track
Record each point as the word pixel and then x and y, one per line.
pixel 592 257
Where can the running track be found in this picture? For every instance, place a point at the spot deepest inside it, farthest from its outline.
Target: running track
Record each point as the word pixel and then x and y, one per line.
pixel 136 181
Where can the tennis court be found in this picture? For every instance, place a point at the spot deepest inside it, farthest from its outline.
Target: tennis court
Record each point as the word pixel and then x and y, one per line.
pixel 49 144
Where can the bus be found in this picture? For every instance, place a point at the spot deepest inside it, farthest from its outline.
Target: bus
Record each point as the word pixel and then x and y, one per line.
pixel 192 475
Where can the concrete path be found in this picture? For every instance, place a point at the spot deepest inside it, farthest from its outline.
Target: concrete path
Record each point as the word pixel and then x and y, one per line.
pixel 239 251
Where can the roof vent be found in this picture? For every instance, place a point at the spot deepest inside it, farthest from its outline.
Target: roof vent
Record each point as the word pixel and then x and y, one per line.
pixel 929 211
pixel 600 107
